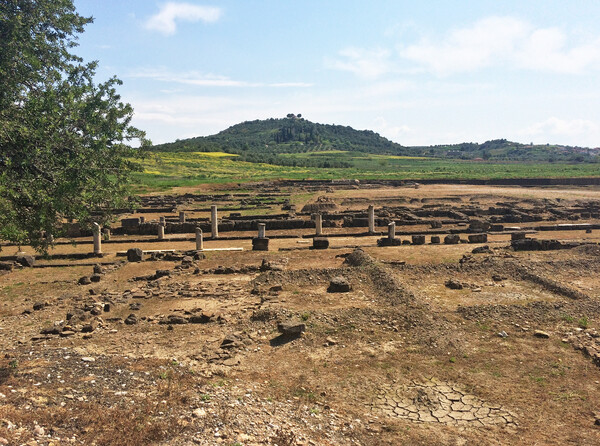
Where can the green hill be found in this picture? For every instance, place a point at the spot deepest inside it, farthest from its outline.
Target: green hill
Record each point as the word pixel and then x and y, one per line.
pixel 283 141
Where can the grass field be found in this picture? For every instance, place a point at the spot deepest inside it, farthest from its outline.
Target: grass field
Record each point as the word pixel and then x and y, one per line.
pixel 164 170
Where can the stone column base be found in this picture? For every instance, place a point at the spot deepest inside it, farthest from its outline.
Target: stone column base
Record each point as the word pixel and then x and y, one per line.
pixel 320 243
pixel 260 244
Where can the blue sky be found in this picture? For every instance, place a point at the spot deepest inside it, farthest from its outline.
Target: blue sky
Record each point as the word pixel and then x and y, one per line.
pixel 419 73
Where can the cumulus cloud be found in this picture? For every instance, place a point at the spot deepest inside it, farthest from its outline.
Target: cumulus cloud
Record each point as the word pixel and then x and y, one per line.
pixel 390 131
pixel 504 41
pixel 368 64
pixel 563 127
pixel 165 21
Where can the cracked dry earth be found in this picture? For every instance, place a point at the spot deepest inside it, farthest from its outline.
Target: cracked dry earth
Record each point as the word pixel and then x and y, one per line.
pixel 193 355
pixel 439 402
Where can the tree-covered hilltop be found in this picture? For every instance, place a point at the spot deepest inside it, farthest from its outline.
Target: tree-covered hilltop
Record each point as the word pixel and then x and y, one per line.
pixel 265 140
pixel 268 140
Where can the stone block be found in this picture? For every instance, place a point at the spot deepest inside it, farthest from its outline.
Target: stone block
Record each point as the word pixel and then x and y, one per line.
pixel 478 238
pixel 452 239
pixel 320 243
pixel 418 239
pixel 135 255
pixel 260 244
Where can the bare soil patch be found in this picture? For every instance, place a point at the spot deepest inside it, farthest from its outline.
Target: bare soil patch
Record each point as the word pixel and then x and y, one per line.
pixel 429 344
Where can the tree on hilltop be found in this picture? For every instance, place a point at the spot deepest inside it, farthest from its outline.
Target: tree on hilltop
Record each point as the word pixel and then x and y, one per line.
pixel 67 146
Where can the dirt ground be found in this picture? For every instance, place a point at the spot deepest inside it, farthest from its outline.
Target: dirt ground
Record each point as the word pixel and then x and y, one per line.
pixel 429 344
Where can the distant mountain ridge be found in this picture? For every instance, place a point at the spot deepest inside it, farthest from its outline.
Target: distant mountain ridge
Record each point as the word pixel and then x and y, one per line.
pixel 265 140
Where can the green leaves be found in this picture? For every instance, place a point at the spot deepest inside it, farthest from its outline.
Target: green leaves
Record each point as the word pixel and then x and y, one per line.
pixel 64 141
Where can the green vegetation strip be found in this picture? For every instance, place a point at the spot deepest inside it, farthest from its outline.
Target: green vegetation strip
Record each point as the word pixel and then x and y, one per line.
pixel 164 170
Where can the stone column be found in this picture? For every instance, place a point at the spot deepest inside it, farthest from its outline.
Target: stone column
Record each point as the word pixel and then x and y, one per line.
pixel 181 217
pixel 106 232
pixel 97 242
pixel 392 230
pixel 371 219
pixel 199 240
pixel 161 231
pixel 214 221
pixel 260 243
pixel 318 224
pixel 163 221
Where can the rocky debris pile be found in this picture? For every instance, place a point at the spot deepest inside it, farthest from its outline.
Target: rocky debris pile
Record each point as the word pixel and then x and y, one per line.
pixel 82 319
pixel 274 264
pixel 159 274
pixel 245 269
pixel 454 284
pixel 358 258
pixel 176 256
pixel 588 249
pixel 231 349
pixel 482 250
pixel 85 317
pixel 531 244
pixel 195 316
pixel 240 414
pixel 98 272
pixel 439 402
pixel 203 413
pixel 163 289
pixel 323 204
pixel 75 323
pixel 585 340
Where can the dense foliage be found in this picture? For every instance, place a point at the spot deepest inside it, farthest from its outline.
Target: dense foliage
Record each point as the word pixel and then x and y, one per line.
pixel 65 142
pixel 268 140
pixel 264 140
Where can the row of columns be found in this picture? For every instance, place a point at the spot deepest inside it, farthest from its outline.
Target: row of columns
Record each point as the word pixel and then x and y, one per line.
pixel 215 223
pixel 215 228
pixel 182 218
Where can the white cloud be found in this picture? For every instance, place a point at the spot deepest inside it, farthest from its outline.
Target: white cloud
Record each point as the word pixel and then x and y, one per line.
pixel 504 41
pixel 393 132
pixel 547 49
pixel 189 78
pixel 165 21
pixel 368 64
pixel 470 48
pixel 207 80
pixel 562 127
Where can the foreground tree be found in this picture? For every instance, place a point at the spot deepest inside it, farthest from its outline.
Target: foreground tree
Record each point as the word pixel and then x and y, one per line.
pixel 67 147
